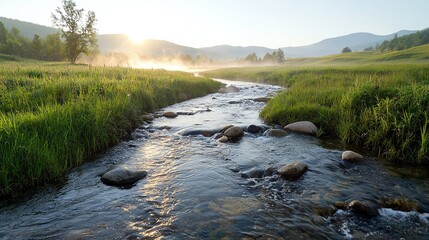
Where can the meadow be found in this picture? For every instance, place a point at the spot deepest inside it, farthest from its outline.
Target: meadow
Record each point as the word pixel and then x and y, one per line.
pixel 54 117
pixel 374 104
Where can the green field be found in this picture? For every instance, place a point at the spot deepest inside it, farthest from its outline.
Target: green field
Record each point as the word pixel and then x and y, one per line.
pixel 56 116
pixel 369 101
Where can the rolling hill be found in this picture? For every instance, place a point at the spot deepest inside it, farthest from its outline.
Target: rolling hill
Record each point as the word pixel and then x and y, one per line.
pixel 355 41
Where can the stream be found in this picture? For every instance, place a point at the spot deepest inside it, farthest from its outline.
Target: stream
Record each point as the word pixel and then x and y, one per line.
pixel 195 188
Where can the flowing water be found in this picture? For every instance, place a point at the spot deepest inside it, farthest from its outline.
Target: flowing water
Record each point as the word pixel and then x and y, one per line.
pixel 195 190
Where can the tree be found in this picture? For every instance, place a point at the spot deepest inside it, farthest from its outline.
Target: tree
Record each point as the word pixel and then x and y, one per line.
pixel 53 48
pixel 268 58
pixel 37 47
pixel 346 50
pixel 280 56
pixel 80 35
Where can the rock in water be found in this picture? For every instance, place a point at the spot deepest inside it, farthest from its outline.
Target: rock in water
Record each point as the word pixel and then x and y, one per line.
pixel 293 171
pixel 170 114
pixel 229 89
pixel 122 176
pixel 262 99
pixel 254 129
pixel 148 117
pixel 234 133
pixel 351 156
pixel 253 173
pixel 275 133
pixel 305 127
pixel 362 208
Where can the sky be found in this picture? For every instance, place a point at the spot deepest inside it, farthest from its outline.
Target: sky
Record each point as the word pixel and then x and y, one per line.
pixel 268 23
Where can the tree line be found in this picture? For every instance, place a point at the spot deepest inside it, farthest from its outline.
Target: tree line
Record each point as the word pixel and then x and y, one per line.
pixel 50 48
pixel 275 57
pixel 408 41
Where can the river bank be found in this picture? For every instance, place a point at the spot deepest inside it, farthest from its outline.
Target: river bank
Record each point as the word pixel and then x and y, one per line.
pixel 380 107
pixel 55 117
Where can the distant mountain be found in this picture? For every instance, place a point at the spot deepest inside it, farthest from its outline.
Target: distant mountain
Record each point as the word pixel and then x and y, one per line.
pixel 355 41
pixel 233 52
pixel 28 29
pixel 150 48
pixel 160 48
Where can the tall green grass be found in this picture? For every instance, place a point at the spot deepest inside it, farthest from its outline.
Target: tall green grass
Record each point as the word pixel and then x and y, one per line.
pixel 53 118
pixel 381 107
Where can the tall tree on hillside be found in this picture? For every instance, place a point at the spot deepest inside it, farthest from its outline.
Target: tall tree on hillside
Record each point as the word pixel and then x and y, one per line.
pixel 80 34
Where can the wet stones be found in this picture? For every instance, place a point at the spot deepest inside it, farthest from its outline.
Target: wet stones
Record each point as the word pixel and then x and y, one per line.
pixel 170 114
pixel 352 157
pixel 400 204
pixel 254 129
pixel 293 171
pixel 262 99
pixel 234 133
pixel 362 208
pixel 275 133
pixel 304 127
pixel 229 89
pixel 122 176
pixel 258 173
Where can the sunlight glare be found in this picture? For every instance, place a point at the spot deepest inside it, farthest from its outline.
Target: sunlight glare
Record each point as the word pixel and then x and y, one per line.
pixel 136 37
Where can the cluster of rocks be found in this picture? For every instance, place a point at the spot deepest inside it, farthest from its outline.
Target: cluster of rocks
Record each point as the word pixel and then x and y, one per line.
pixel 369 209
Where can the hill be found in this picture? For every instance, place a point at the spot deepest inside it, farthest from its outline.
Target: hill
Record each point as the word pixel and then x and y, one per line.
pixel 355 41
pixel 411 55
pixel 28 29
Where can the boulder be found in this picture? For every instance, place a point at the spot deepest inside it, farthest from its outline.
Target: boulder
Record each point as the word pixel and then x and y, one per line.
pixel 351 156
pixel 234 102
pixel 234 133
pixel 293 171
pixel 254 129
pixel 122 176
pixel 253 173
pixel 362 208
pixel 262 99
pixel 170 114
pixel 304 127
pixel 229 89
pixel 275 133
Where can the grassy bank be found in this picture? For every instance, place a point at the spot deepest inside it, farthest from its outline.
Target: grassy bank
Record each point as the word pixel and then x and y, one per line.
pixel 380 107
pixel 54 117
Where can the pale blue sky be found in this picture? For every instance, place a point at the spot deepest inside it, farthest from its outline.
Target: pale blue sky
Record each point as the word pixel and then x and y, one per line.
pixel 270 23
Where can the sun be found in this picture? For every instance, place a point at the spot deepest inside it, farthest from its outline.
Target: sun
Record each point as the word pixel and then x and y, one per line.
pixel 136 37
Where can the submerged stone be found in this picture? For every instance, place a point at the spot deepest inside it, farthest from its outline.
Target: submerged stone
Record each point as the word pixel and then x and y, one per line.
pixel 234 133
pixel 362 208
pixel 275 133
pixel 122 176
pixel 293 171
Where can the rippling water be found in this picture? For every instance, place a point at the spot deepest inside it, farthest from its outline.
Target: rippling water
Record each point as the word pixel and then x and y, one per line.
pixel 194 188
